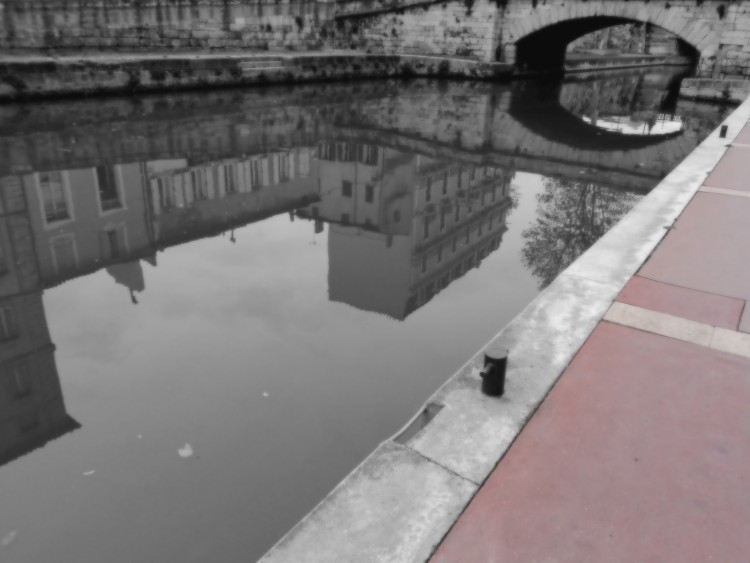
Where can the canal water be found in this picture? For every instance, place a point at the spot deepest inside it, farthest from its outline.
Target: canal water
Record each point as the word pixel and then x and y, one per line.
pixel 214 305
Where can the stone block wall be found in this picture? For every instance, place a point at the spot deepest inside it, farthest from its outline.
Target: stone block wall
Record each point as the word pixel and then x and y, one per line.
pixel 488 30
pixel 135 25
pixel 454 29
pixel 716 28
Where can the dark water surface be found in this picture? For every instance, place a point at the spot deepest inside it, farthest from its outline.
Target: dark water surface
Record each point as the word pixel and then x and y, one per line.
pixel 214 305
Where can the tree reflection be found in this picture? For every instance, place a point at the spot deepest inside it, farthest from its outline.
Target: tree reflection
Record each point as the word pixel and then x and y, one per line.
pixel 571 216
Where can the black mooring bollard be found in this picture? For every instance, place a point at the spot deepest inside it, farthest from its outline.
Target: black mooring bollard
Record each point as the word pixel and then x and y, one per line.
pixel 493 374
pixel 723 131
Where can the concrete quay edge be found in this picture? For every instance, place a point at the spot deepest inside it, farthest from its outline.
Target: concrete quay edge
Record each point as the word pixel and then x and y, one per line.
pixel 30 77
pixel 402 500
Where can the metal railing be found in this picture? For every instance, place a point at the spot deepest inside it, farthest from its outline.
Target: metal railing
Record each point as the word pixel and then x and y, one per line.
pixel 726 67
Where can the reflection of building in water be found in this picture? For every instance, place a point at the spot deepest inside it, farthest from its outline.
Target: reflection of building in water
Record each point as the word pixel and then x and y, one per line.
pixel 189 202
pixel 32 409
pixel 404 226
pixel 61 224
pixel 87 219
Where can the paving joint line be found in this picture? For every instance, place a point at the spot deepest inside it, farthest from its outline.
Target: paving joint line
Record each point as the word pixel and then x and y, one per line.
pixel 441 466
pixel 679 328
pixel 724 191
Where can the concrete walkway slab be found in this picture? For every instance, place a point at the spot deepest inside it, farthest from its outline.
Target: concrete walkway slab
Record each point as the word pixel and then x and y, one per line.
pixel 699 306
pixel 708 249
pixel 637 454
pixel 745 319
pixel 731 173
pixel 744 136
pixel 421 498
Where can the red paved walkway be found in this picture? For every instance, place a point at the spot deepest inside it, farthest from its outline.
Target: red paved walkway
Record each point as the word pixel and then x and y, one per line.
pixel 641 452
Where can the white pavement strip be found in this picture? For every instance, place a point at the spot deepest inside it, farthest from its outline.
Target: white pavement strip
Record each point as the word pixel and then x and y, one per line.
pixel 724 191
pixel 702 334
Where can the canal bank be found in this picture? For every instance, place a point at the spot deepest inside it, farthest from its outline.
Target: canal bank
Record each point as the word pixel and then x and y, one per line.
pixel 38 76
pixel 28 77
pixel 402 500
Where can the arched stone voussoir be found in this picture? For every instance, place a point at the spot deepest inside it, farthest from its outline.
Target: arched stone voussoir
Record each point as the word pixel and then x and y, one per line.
pixel 694 32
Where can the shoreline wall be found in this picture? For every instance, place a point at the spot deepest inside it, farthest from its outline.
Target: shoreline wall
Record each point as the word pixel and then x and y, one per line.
pixel 148 25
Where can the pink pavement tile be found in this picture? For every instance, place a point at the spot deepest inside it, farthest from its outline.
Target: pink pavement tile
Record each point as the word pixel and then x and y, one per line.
pixel 745 319
pixel 708 249
pixel 744 136
pixel 733 170
pixel 640 453
pixel 699 306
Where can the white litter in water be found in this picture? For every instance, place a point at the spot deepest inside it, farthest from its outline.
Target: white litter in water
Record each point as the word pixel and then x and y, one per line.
pixel 265 394
pixel 7 540
pixel 140 436
pixel 89 472
pixel 186 451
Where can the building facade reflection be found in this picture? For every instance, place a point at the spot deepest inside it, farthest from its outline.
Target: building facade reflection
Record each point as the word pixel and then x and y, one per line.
pixel 404 226
pixel 32 408
pixel 415 188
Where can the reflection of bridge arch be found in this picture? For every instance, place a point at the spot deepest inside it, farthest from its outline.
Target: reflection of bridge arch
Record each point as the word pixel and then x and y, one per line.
pixel 558 125
pixel 539 39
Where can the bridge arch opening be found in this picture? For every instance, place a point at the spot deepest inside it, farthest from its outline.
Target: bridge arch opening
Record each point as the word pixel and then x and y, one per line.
pixel 545 49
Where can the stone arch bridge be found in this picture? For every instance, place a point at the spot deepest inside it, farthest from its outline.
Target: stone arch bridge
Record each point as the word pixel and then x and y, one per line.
pixel 531 33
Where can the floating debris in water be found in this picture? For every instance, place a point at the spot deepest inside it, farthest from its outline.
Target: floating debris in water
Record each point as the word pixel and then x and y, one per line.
pixel 265 394
pixel 186 451
pixel 89 472
pixel 7 540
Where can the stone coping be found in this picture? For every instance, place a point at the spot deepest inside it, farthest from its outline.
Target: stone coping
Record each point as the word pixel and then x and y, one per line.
pixel 401 501
pixel 34 77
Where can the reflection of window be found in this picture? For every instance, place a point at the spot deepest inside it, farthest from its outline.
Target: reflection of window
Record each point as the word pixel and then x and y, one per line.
pixel 8 327
pixel 327 151
pixel 64 254
pixel 371 155
pixel 346 188
pixel 109 197
pixel 396 215
pixel 345 218
pixel 3 261
pixel 112 243
pixel 256 173
pixel 303 160
pixel 53 197
pixel 17 381
pixel 346 152
pixel 369 193
pixel 283 167
pixel 229 184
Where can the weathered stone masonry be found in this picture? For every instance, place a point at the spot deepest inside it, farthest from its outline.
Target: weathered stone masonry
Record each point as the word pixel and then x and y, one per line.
pixel 165 24
pixel 491 30
pixel 483 30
